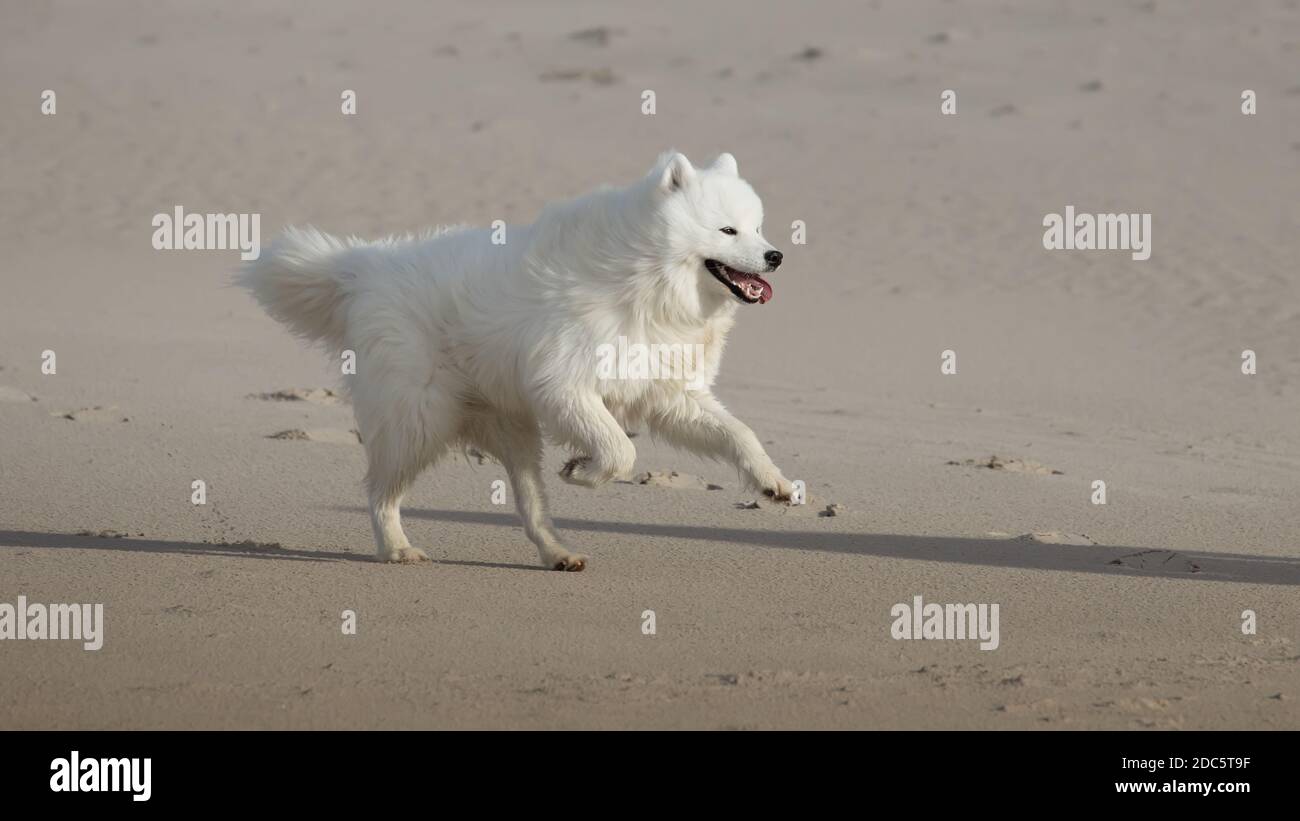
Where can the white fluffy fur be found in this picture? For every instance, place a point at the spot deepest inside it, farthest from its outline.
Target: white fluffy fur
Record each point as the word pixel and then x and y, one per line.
pixel 464 343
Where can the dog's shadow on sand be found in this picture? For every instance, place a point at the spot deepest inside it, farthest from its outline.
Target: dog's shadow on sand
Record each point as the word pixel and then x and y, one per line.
pixel 1190 565
pixel 14 539
pixel 89 541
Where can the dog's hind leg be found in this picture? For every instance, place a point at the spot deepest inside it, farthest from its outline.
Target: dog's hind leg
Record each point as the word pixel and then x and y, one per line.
pixel 402 438
pixel 517 444
pixel 387 485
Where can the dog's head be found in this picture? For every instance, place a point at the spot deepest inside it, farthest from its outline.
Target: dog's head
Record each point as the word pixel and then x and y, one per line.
pixel 713 224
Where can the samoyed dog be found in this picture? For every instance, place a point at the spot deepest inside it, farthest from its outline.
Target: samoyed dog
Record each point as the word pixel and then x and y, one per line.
pixel 468 338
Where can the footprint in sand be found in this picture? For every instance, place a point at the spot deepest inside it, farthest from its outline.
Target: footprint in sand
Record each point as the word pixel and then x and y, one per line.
pixel 99 413
pixel 599 76
pixel 1039 708
pixel 811 507
pixel 996 462
pixel 673 479
pixel 248 545
pixel 335 436
pixel 597 35
pixel 320 396
pixel 689 481
pixel 1056 537
pixel 1156 561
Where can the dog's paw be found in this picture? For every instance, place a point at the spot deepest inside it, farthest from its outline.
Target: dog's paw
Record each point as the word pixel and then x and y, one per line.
pixel 778 489
pixel 572 563
pixel 404 555
pixel 577 471
pixel 558 557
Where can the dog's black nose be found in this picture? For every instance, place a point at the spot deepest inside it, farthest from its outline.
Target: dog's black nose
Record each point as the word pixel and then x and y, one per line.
pixel 773 258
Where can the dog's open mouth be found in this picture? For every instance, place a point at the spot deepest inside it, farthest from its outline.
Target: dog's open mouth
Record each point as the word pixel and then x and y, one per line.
pixel 748 288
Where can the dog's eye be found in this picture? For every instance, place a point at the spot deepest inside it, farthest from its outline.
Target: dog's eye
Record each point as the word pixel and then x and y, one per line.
pixel 729 231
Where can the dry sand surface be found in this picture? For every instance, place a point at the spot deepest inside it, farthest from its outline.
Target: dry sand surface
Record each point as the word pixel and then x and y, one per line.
pixel 924 234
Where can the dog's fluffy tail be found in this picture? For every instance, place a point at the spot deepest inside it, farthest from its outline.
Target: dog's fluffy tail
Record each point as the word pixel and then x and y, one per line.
pixel 298 281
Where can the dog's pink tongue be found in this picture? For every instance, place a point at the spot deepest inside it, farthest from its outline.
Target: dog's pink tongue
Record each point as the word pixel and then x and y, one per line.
pixel 764 284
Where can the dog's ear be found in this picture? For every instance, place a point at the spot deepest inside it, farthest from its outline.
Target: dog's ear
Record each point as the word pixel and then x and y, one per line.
pixel 677 173
pixel 726 164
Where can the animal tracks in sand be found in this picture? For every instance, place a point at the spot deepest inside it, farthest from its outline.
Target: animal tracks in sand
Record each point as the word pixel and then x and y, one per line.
pixel 812 507
pixel 1161 561
pixel 996 462
pixel 673 479
pixel 687 481
pixel 1157 560
pixel 336 436
pixel 315 396
pixel 319 396
pixel 676 480
pixel 98 413
pixel 1057 537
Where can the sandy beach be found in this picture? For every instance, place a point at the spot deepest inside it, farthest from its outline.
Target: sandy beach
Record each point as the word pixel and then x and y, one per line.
pixel 924 234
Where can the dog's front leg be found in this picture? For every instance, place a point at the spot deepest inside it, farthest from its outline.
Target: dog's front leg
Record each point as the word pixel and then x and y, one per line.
pixel 604 451
pixel 698 422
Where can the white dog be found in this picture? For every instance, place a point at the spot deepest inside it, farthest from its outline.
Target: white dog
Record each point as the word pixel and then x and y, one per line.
pixel 467 339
